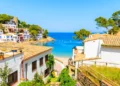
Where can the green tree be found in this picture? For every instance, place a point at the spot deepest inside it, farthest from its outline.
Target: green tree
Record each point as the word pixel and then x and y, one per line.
pixel 23 24
pixel 65 79
pixel 4 72
pixel 34 30
pixel 50 63
pixel 105 23
pixel 81 34
pixel 116 17
pixel 113 30
pixel 4 18
pixel 45 34
pixel 2 28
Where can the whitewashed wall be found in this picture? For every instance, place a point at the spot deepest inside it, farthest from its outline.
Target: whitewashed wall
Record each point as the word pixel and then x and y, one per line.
pixel 110 54
pixel 30 74
pixel 92 48
pixel 73 54
pixel 80 49
pixel 13 63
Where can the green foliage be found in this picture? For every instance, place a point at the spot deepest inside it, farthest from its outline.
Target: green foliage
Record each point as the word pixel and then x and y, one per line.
pixel 53 79
pixel 38 78
pixel 50 63
pixel 65 79
pixel 4 75
pixel 34 30
pixel 2 28
pixel 27 83
pixel 45 34
pixel 81 34
pixel 116 18
pixel 103 22
pixel 4 18
pixel 109 72
pixel 114 30
pixel 53 74
pixel 37 81
pixel 23 24
pixel 112 24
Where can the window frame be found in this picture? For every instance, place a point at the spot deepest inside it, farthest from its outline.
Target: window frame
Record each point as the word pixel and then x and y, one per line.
pixel 41 63
pixel 46 74
pixel 46 58
pixel 34 66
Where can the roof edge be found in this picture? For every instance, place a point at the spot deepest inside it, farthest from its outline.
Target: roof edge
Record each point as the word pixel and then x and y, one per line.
pixel 37 54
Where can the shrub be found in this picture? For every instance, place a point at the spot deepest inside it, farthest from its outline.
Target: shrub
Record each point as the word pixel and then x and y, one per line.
pixel 37 81
pixel 53 74
pixel 27 83
pixel 65 79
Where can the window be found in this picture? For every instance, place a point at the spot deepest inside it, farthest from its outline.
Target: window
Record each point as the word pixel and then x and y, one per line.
pixel 46 58
pixel 46 72
pixel 41 61
pixel 7 36
pixel 34 65
pixel 12 78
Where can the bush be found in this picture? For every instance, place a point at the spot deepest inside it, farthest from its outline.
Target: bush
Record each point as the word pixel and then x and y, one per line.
pixel 53 74
pixel 65 79
pixel 37 81
pixel 27 83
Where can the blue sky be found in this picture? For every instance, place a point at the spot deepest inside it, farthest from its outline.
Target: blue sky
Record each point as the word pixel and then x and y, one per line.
pixel 61 15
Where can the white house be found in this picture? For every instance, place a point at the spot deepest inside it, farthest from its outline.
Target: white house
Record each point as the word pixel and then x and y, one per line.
pixel 24 63
pixel 9 37
pixel 26 34
pixel 13 59
pixel 35 59
pixel 39 36
pixel 11 26
pixel 100 48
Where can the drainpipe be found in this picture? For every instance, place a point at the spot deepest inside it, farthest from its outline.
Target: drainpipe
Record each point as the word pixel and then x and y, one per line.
pixel 22 71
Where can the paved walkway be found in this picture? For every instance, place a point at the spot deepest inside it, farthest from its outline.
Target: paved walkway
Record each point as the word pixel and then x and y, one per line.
pixel 63 59
pixel 59 66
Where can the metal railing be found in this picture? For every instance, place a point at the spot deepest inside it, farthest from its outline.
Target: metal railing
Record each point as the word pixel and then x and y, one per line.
pixel 109 64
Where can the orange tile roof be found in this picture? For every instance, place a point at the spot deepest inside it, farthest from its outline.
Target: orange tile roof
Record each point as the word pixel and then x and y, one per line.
pixel 118 34
pixel 94 37
pixel 32 50
pixel 28 49
pixel 108 40
pixel 113 41
pixel 79 56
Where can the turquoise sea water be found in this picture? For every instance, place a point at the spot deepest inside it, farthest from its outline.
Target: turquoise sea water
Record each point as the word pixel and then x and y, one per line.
pixel 63 44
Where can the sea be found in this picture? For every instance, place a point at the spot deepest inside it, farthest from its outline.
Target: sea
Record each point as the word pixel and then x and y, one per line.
pixel 63 44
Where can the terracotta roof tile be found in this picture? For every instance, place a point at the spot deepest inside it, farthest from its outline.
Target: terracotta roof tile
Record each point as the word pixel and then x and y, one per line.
pixel 28 49
pixel 94 37
pixel 111 41
pixel 108 40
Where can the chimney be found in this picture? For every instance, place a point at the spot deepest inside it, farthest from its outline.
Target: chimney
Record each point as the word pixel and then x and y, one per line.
pixel 90 36
pixel 1 56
